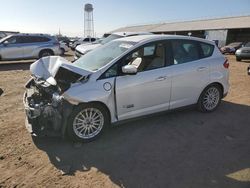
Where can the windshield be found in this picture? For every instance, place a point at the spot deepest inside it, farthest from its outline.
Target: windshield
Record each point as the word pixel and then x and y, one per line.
pixel 3 39
pixel 101 56
pixel 110 38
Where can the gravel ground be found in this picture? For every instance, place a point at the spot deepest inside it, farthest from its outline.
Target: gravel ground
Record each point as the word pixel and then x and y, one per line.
pixel 185 148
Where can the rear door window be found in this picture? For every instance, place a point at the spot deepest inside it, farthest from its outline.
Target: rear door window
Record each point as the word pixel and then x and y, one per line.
pixel 185 51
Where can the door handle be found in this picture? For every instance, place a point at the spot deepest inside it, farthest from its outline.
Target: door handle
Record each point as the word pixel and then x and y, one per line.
pixel 201 68
pixel 161 78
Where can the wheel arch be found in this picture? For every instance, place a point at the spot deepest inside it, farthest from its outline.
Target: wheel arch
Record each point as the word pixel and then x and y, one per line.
pixel 213 83
pixel 46 49
pixel 98 103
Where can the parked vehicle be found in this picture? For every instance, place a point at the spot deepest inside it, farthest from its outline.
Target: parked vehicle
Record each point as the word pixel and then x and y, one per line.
pixel 63 48
pixel 243 53
pixel 231 48
pixel 28 46
pixel 85 48
pixel 123 79
pixel 2 34
pixel 82 41
pixel 63 39
pixel 248 70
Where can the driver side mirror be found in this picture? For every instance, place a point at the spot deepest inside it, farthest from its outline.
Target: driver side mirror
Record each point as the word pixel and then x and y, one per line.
pixel 129 69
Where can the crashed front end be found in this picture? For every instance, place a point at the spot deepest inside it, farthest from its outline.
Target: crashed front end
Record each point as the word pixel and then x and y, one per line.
pixel 46 109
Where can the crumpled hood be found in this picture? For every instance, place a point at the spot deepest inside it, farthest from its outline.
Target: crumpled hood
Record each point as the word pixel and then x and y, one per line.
pixel 86 48
pixel 48 66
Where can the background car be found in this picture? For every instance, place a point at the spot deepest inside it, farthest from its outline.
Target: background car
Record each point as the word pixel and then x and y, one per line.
pixel 243 52
pixel 64 40
pixel 63 47
pixel 82 41
pixel 83 49
pixel 231 48
pixel 28 46
pixel 123 79
pixel 2 35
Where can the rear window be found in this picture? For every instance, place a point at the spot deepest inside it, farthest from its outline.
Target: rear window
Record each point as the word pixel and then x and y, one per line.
pixel 207 49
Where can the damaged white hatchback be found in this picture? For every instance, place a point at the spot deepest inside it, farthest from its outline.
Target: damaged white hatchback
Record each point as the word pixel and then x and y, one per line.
pixel 124 79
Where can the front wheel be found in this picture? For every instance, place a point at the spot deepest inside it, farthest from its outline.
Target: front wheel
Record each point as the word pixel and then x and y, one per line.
pixel 238 59
pixel 210 98
pixel 87 122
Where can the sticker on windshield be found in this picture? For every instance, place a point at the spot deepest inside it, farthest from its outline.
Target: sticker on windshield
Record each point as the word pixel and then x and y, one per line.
pixel 125 45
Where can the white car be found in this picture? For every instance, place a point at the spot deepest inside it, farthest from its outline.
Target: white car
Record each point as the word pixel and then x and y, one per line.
pixel 78 42
pixel 63 48
pixel 85 48
pixel 123 79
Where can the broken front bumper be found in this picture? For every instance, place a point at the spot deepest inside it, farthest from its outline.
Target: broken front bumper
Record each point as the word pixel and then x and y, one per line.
pixel 47 118
pixel 41 118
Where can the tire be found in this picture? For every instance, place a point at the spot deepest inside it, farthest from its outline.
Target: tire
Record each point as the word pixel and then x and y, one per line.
pixel 210 98
pixel 81 128
pixel 45 53
pixel 238 59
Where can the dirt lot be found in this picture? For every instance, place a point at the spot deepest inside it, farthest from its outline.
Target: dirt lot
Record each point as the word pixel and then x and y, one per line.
pixel 177 149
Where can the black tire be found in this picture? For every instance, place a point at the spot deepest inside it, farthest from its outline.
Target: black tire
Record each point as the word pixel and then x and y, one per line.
pixel 201 102
pixel 238 58
pixel 71 127
pixel 45 53
pixel 62 51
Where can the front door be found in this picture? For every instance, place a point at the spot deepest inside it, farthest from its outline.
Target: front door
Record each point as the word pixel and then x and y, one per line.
pixel 149 90
pixel 13 49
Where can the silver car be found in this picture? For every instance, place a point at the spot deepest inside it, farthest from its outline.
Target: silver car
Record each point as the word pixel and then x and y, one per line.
pixel 123 79
pixel 243 52
pixel 28 46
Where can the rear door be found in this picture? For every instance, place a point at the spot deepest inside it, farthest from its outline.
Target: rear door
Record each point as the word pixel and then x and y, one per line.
pixel 190 73
pixel 31 44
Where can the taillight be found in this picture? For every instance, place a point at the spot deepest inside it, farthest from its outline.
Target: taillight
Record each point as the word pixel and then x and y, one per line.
pixel 226 64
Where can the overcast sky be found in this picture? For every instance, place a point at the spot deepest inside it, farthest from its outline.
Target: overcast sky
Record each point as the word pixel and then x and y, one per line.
pixel 47 16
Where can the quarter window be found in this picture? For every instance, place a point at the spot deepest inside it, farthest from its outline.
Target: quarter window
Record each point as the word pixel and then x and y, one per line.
pixel 207 49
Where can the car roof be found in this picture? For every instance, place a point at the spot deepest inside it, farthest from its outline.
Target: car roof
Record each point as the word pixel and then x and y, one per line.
pixel 141 38
pixel 32 34
pixel 125 34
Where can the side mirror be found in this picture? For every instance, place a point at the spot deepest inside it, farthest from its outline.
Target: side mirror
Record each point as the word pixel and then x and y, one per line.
pixel 5 43
pixel 129 69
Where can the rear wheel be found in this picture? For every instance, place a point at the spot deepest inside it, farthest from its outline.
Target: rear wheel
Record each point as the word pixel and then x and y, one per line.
pixel 238 58
pixel 87 122
pixel 45 53
pixel 210 98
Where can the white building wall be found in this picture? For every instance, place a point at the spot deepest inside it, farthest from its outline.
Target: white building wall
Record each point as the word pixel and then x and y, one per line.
pixel 220 35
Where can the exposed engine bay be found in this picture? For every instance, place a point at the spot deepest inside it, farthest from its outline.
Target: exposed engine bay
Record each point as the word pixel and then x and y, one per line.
pixel 46 109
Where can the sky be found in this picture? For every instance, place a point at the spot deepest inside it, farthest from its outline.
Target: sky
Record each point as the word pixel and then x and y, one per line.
pixel 48 16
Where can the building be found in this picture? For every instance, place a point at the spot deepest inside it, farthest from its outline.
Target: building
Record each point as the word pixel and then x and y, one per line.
pixel 6 33
pixel 224 30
